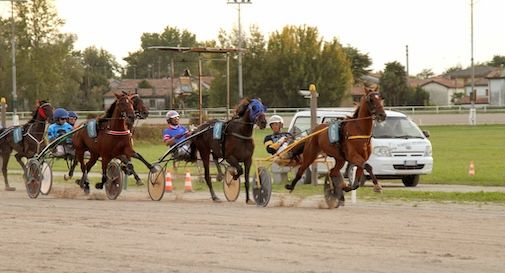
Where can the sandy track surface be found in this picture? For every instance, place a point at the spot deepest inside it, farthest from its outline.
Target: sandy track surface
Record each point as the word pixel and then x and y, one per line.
pixel 187 232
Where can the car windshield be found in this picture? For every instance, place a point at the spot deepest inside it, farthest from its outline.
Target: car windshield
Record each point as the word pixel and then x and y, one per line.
pixel 396 127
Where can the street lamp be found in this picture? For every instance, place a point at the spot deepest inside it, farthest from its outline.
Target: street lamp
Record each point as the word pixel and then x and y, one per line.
pixel 15 118
pixel 240 84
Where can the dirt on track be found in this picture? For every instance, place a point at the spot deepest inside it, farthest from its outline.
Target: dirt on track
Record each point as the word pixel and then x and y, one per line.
pixel 187 232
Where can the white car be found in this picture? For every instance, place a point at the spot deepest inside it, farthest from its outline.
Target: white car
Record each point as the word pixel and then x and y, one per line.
pixel 400 149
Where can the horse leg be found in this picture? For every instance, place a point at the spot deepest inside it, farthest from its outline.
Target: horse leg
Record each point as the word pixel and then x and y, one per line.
pixel 220 175
pixel 247 168
pixel 5 162
pixel 72 168
pixel 141 158
pixel 128 169
pixel 234 163
pixel 105 162
pixel 205 156
pixel 19 158
pixel 85 169
pixel 376 186
pixel 308 158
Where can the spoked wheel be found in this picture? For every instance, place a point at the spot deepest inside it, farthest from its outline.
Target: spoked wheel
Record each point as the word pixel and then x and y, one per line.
pixel 47 179
pixel 231 186
pixel 263 193
pixel 115 177
pixel 331 195
pixel 156 182
pixel 33 178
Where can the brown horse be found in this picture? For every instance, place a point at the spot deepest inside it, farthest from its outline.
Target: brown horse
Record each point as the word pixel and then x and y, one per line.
pixel 141 112
pixel 354 144
pixel 113 139
pixel 32 140
pixel 236 146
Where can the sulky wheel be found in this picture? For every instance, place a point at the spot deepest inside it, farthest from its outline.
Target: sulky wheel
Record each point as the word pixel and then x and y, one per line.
pixel 33 177
pixel 47 179
pixel 263 193
pixel 156 182
pixel 115 178
pixel 331 196
pixel 231 186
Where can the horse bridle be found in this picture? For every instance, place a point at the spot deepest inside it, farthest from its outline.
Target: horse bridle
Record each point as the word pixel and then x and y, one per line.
pixel 41 113
pixel 370 106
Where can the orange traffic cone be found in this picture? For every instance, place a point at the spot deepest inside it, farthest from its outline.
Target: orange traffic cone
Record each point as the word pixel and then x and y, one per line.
pixel 168 182
pixel 188 186
pixel 471 169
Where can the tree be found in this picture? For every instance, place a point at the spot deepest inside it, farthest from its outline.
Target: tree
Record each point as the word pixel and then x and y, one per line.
pixel 149 63
pixel 46 67
pixel 359 63
pixel 454 68
pixel 393 84
pixel 425 74
pixel 498 61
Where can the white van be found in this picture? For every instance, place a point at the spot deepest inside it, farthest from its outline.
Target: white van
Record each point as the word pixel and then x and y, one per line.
pixel 400 149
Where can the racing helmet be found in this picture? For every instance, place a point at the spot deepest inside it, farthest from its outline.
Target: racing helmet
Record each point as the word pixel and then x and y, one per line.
pixel 274 119
pixel 72 114
pixel 60 113
pixel 171 114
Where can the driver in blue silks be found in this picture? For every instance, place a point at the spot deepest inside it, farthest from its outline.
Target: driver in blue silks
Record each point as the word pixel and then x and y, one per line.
pixel 176 133
pixel 58 128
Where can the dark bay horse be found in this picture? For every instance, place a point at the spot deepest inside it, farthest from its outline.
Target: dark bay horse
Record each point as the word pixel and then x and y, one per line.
pixel 32 140
pixel 141 112
pixel 236 146
pixel 113 139
pixel 354 142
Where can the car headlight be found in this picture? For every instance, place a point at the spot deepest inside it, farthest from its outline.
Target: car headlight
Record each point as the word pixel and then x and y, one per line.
pixel 428 151
pixel 382 151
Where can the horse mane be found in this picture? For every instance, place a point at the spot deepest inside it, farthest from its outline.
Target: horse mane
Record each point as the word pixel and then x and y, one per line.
pixel 108 113
pixel 241 108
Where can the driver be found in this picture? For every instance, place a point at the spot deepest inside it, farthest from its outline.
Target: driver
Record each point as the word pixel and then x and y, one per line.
pixel 58 128
pixel 176 133
pixel 278 140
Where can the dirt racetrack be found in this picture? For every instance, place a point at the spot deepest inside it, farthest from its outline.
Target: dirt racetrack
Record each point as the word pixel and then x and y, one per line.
pixel 186 232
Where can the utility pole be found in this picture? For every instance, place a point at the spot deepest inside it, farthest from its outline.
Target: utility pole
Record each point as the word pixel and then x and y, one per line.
pixel 473 93
pixel 240 80
pixel 15 117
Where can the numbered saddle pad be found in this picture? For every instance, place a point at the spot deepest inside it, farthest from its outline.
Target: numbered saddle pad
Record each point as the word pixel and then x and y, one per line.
pixel 217 130
pixel 91 128
pixel 17 134
pixel 333 132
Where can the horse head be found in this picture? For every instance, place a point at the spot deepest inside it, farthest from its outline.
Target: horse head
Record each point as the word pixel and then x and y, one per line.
pixel 257 111
pixel 374 103
pixel 141 110
pixel 44 111
pixel 125 107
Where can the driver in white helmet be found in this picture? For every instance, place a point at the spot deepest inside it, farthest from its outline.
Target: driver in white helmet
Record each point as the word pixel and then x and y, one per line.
pixel 176 133
pixel 278 140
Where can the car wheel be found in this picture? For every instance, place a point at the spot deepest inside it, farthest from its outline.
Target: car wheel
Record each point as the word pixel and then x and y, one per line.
pixel 410 180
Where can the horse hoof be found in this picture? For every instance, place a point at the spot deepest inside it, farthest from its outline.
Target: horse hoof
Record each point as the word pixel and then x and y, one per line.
pixel 139 183
pixel 9 188
pixel 289 187
pixel 216 199
pixel 377 188
pixel 250 202
pixel 99 186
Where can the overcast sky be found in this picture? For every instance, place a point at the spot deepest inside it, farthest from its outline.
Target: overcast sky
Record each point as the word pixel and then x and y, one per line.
pixel 437 32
